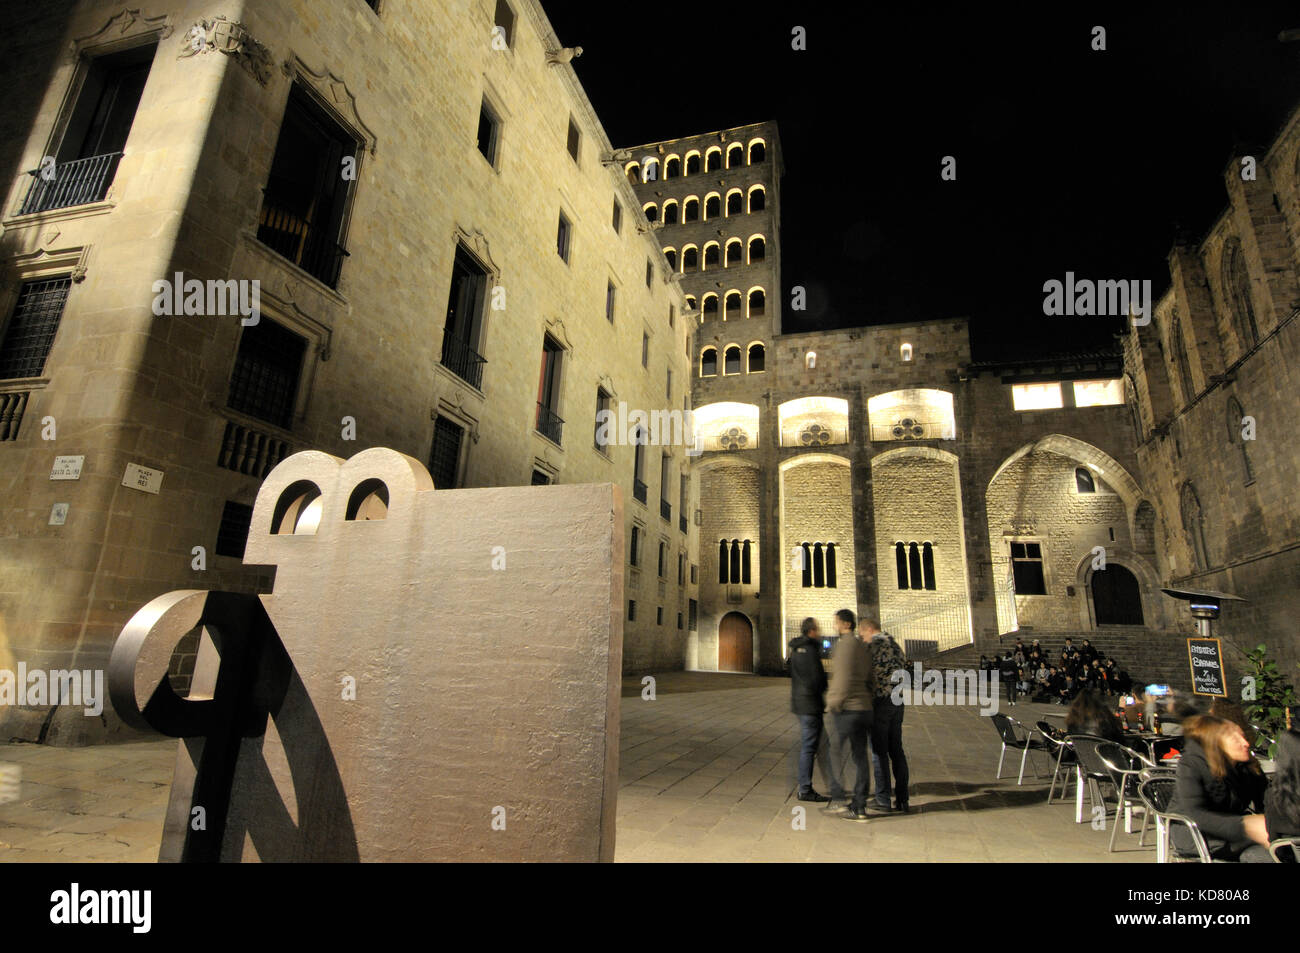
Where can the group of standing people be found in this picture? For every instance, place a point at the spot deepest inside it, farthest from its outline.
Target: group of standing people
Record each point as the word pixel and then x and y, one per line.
pixel 864 716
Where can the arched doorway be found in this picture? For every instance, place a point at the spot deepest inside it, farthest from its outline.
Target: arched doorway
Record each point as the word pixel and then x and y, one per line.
pixel 1116 596
pixel 735 644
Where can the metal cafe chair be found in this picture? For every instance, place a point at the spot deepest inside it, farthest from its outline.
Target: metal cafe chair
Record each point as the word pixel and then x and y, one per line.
pixel 1126 768
pixel 1064 757
pixel 1091 770
pixel 1283 842
pixel 1017 736
pixel 1156 792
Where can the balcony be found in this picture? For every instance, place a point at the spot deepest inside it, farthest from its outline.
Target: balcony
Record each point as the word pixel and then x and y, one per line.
pixel 79 182
pixel 639 491
pixel 249 451
pixel 463 361
pixel 286 232
pixel 666 510
pixel 549 425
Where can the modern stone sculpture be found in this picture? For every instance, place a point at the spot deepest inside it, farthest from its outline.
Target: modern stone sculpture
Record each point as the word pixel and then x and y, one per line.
pixel 434 677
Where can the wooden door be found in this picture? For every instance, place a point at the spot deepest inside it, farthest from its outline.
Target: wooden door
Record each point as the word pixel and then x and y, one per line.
pixel 1116 596
pixel 735 644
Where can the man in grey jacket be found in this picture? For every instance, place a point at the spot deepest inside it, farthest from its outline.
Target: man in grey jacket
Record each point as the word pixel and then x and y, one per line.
pixel 850 701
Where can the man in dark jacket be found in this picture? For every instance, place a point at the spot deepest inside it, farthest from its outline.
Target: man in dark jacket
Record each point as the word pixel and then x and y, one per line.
pixel 851 700
pixel 807 686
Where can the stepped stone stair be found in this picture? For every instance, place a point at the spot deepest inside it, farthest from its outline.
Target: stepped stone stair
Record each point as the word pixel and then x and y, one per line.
pixel 1148 655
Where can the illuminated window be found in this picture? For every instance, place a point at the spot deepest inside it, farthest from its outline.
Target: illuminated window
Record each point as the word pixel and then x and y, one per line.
pixel 1036 396
pixel 905 352
pixel 1098 393
pixel 810 360
pixel 1083 481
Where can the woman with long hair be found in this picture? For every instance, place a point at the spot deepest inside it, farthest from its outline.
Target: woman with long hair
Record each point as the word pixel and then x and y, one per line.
pixel 1219 783
pixel 1089 715
pixel 1282 800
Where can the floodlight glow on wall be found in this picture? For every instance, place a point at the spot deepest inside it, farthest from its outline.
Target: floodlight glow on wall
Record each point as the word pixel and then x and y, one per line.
pixel 1098 393
pixel 1036 396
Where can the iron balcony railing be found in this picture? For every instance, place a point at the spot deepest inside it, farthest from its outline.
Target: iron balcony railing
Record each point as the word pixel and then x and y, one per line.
pixel 666 510
pixel 548 424
pixel 462 360
pixel 79 182
pixel 286 232
pixel 639 490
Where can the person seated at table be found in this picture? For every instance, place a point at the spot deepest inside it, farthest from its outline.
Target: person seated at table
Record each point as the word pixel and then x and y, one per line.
pixel 1282 799
pixel 1218 783
pixel 1089 715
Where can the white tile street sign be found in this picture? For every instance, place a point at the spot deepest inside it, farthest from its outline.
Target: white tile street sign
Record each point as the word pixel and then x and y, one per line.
pixel 58 514
pixel 67 468
pixel 142 478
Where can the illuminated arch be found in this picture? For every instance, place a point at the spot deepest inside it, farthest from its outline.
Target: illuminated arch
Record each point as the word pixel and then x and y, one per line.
pixel 650 170
pixel 691 208
pixel 709 304
pixel 672 166
pixel 756 300
pixel 756 358
pixel 651 211
pixel 735 155
pixel 757 198
pixel 733 361
pixel 712 205
pixel 689 168
pixel 712 255
pixel 735 252
pixel 671 255
pixel 1101 463
pixel 803 421
pixel 913 414
pixel 757 150
pixel 757 249
pixel 733 306
pixel 670 210
pixel 735 202
pixel 713 159
pixel 713 425
pixel 709 361
pixel 690 258
pixel 633 172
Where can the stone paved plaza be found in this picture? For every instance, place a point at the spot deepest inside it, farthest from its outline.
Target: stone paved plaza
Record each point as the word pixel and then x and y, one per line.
pixel 707 775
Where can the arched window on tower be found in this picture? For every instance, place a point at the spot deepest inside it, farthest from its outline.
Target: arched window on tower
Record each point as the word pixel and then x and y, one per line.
pixel 735 155
pixel 691 210
pixel 757 152
pixel 806 581
pixel 693 164
pixel 723 551
pixel 673 168
pixel 757 250
pixel 651 212
pixel 713 162
pixel 709 362
pixel 927 564
pixel 712 206
pixel 819 567
pixel 731 364
pixel 1083 481
pixel 830 566
pixel 914 566
pixel 735 252
pixel 690 258
pixel 757 303
pixel 732 308
pixel 634 173
pixel 671 255
pixel 670 213
pixel 900 564
pixel 736 203
pixel 757 355
pixel 744 563
pixel 712 255
pixel 1237 432
pixel 710 306
pixel 757 199
pixel 735 560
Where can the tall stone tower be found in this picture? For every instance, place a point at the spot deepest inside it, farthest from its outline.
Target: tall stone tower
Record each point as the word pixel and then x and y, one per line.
pixel 714 201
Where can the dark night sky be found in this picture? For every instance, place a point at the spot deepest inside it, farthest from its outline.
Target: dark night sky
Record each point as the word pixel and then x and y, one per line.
pixel 1067 159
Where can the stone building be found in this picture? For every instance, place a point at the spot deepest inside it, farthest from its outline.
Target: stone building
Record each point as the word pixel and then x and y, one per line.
pixel 431 210
pixel 1214 382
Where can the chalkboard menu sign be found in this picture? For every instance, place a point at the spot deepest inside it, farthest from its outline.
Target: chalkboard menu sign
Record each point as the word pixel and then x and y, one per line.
pixel 1207 667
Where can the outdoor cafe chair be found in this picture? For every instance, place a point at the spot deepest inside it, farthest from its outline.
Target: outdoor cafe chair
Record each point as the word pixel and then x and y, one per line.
pixel 1156 792
pixel 1283 842
pixel 1091 770
pixel 1064 757
pixel 1015 735
pixel 1127 768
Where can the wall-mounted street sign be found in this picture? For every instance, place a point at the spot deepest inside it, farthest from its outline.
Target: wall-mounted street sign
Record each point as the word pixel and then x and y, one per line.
pixel 142 478
pixel 58 514
pixel 1206 659
pixel 67 468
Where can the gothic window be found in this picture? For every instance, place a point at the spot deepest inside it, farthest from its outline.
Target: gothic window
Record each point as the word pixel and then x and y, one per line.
pixel 1083 481
pixel 745 562
pixel 914 565
pixel 818 566
pixel 1236 289
pixel 927 564
pixel 1184 367
pixel 900 565
pixel 1236 416
pixel 1194 526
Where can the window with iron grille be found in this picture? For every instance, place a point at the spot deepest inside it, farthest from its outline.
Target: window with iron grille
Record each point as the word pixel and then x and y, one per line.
pixel 232 537
pixel 540 478
pixel 444 458
pixel 603 401
pixel 549 423
pixel 29 335
pixel 268 366
pixel 305 201
pixel 463 328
